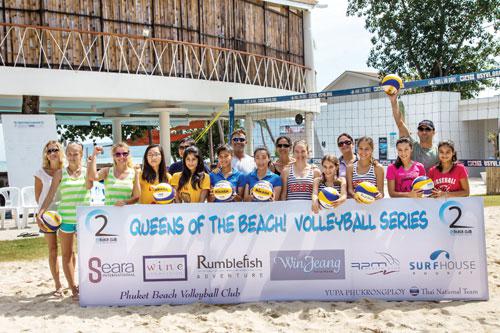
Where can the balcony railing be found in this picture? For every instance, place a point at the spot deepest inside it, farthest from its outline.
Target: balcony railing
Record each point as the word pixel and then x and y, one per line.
pixel 56 48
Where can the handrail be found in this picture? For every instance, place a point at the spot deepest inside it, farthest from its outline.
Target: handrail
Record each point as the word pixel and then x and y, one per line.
pixel 141 54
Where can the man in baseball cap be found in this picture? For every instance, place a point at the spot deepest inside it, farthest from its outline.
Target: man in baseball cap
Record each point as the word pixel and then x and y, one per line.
pixel 424 151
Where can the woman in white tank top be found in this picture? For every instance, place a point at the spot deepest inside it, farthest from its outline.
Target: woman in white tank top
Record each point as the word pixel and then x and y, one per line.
pixel 53 159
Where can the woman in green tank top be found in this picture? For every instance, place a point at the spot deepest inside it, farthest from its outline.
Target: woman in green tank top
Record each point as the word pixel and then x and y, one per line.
pixel 74 191
pixel 121 181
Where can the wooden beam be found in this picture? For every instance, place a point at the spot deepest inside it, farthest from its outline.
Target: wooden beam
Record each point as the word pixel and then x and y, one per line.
pixel 31 104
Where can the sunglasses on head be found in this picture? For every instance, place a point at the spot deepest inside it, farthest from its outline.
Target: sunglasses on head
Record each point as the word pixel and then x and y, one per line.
pixel 239 139
pixel 124 154
pixel 184 146
pixel 283 145
pixel 425 129
pixel 346 143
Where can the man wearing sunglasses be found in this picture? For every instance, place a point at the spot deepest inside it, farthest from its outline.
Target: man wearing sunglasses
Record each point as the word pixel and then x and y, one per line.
pixel 242 162
pixel 424 151
pixel 177 166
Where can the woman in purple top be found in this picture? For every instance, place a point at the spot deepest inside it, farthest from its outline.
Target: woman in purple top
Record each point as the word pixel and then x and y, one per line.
pixel 400 174
pixel 345 142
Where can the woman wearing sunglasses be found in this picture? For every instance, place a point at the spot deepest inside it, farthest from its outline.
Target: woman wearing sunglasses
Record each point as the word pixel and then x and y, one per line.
pixel 121 181
pixel 52 162
pixel 345 143
pixel 283 145
pixel 74 189
pixel 154 172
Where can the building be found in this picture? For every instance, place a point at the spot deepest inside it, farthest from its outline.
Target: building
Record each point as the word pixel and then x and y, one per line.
pixel 165 62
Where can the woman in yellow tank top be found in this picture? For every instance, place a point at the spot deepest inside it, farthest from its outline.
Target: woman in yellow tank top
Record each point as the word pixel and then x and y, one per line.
pixel 154 172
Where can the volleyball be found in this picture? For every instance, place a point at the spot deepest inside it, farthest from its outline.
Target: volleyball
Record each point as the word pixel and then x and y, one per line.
pixel 366 192
pixel 262 191
pixel 327 196
pixel 51 221
pixel 391 84
pixel 163 193
pixel 423 183
pixel 223 190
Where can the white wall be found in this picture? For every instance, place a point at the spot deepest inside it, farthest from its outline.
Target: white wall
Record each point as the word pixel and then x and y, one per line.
pixel 374 118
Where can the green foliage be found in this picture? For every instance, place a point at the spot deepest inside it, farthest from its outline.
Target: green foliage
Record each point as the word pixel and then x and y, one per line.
pixel 81 133
pixel 426 39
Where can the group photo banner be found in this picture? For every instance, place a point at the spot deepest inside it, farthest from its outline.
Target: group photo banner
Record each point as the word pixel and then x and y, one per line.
pixel 393 249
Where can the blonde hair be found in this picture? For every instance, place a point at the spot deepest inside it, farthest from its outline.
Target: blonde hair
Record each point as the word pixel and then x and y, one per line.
pixel 45 159
pixel 130 163
pixel 301 142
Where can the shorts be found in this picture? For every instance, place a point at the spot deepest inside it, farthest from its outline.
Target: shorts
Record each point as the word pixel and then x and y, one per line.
pixel 46 232
pixel 68 228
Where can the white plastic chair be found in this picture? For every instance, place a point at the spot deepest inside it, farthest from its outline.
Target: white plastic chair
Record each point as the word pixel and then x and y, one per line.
pixel 97 194
pixel 28 203
pixel 12 197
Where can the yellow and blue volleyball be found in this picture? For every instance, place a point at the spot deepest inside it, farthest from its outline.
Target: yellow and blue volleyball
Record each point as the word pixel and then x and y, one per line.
pixel 163 193
pixel 262 190
pixel 327 196
pixel 51 221
pixel 223 190
pixel 366 192
pixel 391 84
pixel 423 183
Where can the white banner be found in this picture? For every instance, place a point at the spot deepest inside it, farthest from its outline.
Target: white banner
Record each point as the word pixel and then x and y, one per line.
pixel 394 249
pixel 24 138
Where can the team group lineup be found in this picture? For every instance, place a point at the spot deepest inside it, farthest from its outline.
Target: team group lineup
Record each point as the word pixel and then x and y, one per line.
pixel 63 182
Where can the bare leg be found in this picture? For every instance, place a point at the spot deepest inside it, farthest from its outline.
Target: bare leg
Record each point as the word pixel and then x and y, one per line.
pixel 51 240
pixel 68 260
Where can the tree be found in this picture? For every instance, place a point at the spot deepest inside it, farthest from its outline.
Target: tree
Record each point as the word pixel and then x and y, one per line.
pixel 432 38
pixel 96 130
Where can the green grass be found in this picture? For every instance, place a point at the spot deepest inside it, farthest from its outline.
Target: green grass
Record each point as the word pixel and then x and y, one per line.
pixel 491 200
pixel 23 249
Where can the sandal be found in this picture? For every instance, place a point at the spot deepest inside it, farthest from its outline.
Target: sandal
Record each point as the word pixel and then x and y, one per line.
pixel 58 293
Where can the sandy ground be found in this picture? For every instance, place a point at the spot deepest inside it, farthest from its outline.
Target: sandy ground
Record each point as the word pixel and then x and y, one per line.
pixel 26 306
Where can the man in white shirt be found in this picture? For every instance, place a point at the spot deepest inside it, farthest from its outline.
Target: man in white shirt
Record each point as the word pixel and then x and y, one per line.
pixel 241 161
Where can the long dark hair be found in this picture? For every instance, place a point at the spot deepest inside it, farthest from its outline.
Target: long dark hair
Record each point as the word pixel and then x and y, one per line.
pixel 197 175
pixel 454 158
pixel 148 173
pixel 407 140
pixel 335 161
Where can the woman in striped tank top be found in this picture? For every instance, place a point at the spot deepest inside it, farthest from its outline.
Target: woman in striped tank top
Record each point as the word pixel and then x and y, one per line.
pixel 329 178
pixel 74 191
pixel 121 181
pixel 366 169
pixel 298 177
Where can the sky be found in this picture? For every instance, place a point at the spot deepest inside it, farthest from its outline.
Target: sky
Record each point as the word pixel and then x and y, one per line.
pixel 341 42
